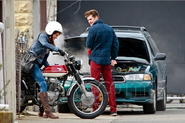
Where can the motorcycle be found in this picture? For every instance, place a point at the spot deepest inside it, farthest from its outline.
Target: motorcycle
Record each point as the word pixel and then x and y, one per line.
pixel 80 95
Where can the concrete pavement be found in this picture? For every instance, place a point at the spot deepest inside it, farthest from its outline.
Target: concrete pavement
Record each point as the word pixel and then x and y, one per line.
pixel 104 118
pixel 64 118
pixel 67 118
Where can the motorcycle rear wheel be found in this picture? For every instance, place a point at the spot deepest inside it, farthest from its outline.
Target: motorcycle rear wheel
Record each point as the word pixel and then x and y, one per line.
pixel 81 106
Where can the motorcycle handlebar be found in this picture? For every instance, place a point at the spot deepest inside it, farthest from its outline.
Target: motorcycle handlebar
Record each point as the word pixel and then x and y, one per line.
pixel 66 56
pixel 56 53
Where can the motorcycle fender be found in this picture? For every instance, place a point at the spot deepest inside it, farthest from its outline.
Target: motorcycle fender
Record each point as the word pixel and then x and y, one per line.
pixel 70 88
pixel 73 84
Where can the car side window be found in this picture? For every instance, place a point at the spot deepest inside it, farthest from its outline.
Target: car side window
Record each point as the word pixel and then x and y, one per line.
pixel 153 46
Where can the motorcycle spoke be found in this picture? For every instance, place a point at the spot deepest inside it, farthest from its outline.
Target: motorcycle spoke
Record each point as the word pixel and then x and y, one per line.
pixel 88 105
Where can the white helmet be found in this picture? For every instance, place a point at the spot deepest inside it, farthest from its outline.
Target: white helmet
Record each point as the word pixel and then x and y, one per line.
pixel 53 26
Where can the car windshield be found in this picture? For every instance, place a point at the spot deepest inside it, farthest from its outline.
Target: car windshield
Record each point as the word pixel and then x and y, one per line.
pixel 129 47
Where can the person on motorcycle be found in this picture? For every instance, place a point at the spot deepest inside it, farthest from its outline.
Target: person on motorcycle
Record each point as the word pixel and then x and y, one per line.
pixel 104 46
pixel 41 47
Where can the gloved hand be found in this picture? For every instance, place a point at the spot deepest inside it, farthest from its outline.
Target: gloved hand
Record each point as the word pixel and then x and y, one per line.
pixel 62 53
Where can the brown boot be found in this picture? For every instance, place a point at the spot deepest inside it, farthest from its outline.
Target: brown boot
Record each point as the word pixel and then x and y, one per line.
pixel 47 111
pixel 41 111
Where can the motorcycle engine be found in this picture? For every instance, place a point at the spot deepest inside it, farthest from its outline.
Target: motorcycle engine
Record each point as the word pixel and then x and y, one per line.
pixel 53 91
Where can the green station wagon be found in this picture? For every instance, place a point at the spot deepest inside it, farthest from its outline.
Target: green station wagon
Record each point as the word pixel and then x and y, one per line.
pixel 139 76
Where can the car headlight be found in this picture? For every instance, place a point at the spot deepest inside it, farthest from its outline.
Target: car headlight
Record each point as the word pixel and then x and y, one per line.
pixel 138 77
pixel 78 64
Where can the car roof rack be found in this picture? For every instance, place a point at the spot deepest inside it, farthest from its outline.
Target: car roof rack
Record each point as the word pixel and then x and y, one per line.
pixel 137 28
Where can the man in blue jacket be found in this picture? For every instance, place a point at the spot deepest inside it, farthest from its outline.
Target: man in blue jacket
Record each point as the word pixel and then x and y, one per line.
pixel 104 46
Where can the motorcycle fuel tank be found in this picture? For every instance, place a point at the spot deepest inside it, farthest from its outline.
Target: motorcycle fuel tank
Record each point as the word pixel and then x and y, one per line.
pixel 55 71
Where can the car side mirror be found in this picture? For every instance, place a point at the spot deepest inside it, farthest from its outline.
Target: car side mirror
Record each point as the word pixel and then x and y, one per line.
pixel 160 56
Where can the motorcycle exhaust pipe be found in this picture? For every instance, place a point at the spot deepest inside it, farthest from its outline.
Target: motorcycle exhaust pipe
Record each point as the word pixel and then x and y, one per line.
pixel 63 90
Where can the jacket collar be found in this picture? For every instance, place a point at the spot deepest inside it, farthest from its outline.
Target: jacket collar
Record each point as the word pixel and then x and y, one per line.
pixel 98 21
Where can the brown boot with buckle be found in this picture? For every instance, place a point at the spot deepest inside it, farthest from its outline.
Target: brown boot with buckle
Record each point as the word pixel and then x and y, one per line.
pixel 41 111
pixel 47 111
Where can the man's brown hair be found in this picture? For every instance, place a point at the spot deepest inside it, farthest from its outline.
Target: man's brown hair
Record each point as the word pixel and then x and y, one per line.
pixel 92 12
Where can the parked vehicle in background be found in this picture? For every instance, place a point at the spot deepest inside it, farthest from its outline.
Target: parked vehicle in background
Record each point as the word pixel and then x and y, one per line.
pixel 140 73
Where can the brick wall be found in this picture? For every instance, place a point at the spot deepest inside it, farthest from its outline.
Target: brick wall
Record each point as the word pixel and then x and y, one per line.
pixel 24 17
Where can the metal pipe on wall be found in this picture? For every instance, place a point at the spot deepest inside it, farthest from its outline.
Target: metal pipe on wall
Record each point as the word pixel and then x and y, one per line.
pixel 4 53
pixel 10 58
pixel 1 61
pixel 53 10
pixel 51 7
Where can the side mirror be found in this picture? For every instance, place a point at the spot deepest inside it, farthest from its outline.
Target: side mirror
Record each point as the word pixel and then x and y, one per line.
pixel 72 58
pixel 160 56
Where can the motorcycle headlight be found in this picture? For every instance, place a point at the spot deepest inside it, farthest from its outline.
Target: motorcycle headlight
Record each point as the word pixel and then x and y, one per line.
pixel 138 77
pixel 78 64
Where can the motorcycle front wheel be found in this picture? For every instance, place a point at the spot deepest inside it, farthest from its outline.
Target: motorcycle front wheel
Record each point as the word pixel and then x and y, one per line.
pixel 90 105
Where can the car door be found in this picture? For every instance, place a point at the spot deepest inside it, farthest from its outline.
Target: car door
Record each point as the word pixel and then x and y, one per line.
pixel 161 68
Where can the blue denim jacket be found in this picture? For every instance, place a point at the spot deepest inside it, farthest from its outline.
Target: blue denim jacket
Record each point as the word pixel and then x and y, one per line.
pixel 41 45
pixel 103 43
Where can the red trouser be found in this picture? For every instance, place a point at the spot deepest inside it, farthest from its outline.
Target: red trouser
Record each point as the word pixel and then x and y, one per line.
pixel 96 69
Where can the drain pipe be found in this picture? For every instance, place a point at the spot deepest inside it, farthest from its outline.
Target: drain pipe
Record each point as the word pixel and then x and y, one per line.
pixel 2 106
pixel 53 10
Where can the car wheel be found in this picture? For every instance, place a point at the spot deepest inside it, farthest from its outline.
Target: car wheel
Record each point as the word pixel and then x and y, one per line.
pixel 63 108
pixel 150 108
pixel 161 105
